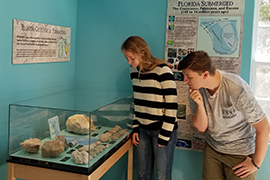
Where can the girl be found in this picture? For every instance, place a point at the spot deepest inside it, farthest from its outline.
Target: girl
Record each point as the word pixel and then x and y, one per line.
pixel 155 108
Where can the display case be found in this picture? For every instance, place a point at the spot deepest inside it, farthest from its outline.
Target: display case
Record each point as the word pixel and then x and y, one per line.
pixel 68 140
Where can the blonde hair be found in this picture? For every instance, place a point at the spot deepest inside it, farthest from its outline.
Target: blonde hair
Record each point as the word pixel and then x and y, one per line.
pixel 137 45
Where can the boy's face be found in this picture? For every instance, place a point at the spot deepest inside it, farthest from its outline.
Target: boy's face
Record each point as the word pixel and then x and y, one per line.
pixel 193 79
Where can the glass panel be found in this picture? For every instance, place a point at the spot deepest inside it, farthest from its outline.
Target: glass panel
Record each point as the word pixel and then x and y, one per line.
pixel 262 82
pixel 263 45
pixel 119 112
pixel 263 33
pixel 264 8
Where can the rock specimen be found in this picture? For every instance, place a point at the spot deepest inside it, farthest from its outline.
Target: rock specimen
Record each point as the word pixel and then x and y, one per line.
pixel 93 154
pixel 117 127
pixel 81 157
pixel 31 145
pixel 88 148
pixel 79 123
pixel 73 143
pixel 98 149
pixel 62 139
pixel 105 137
pixel 118 135
pixel 114 137
pixel 52 148
pixel 112 131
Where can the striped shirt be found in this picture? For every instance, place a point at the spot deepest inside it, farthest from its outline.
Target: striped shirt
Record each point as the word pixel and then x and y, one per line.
pixel 155 101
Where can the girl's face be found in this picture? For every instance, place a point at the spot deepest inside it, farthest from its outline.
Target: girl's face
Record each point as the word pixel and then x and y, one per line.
pixel 133 59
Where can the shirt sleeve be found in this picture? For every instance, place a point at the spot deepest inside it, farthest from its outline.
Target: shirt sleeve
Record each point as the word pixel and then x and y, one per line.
pixel 250 107
pixel 192 105
pixel 135 125
pixel 170 105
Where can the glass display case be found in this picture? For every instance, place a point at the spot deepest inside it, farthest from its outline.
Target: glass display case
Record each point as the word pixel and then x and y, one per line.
pixel 68 140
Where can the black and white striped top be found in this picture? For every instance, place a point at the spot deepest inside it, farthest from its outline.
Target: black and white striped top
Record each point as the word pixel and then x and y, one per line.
pixel 155 101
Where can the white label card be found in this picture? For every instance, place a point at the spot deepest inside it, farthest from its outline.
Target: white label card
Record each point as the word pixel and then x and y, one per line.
pixel 54 126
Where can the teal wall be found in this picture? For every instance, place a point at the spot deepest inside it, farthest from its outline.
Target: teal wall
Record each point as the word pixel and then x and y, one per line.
pixel 28 81
pixel 101 28
pixel 100 73
pixel 247 39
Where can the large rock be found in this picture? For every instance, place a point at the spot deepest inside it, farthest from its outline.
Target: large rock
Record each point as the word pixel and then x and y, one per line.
pixel 31 145
pixel 79 123
pixel 52 148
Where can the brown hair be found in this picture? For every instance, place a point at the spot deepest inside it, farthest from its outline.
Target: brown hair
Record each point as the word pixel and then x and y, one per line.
pixel 198 61
pixel 137 45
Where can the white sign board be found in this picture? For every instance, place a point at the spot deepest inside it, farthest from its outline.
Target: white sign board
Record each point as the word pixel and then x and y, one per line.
pixel 39 43
pixel 213 26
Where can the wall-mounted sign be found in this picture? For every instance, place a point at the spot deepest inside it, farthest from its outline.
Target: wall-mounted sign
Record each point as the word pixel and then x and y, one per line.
pixel 213 26
pixel 39 43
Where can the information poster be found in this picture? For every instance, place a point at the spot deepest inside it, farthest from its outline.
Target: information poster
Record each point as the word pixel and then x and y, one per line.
pixel 39 43
pixel 212 26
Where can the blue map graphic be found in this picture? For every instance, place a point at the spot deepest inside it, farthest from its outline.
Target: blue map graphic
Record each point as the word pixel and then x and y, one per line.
pixel 223 33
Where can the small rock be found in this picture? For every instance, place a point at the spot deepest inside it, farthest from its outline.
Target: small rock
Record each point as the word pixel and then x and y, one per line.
pixel 31 145
pixel 81 157
pixel 104 137
pixel 62 139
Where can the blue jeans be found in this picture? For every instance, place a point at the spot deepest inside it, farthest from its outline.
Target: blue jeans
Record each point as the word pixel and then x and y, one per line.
pixel 149 152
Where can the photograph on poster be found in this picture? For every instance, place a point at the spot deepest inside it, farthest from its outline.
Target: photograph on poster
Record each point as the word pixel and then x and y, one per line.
pixel 181 111
pixel 175 55
pixel 172 52
pixel 183 143
pixel 179 76
pixel 171 18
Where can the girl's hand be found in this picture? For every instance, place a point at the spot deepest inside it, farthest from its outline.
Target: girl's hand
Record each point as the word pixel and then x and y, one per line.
pixel 135 139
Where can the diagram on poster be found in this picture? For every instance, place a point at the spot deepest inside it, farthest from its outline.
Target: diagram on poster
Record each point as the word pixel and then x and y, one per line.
pixel 222 34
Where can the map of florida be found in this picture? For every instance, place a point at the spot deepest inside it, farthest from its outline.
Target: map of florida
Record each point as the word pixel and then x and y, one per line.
pixel 223 33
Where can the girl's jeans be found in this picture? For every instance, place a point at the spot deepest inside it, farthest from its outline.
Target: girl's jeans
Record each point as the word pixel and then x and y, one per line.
pixel 149 152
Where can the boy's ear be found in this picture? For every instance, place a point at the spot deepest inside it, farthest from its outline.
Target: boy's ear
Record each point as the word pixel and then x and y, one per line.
pixel 206 74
